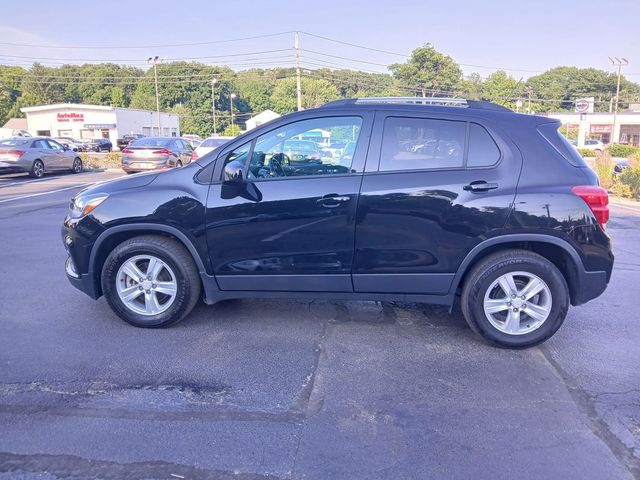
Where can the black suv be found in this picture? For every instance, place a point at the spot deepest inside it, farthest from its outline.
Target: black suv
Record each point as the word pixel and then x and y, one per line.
pixel 436 201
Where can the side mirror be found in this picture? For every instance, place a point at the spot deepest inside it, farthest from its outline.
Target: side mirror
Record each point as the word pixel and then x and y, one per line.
pixel 234 172
pixel 65 147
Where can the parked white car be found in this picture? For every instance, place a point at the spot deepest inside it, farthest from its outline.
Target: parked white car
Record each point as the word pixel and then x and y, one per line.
pixel 595 145
pixel 209 145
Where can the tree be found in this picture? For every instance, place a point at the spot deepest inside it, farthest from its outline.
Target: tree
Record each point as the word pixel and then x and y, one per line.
pixel 428 71
pixel 502 89
pixel 231 131
pixel 561 86
pixel 315 92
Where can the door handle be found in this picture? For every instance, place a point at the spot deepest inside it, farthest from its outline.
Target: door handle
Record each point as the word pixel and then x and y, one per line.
pixel 332 201
pixel 480 186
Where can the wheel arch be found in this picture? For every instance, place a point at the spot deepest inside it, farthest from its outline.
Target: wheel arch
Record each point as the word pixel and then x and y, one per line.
pixel 114 236
pixel 556 250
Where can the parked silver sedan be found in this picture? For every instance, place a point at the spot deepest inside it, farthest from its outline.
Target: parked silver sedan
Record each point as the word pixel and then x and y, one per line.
pixel 155 153
pixel 36 156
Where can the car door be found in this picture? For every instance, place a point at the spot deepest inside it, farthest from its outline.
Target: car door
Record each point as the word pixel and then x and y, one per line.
pixel 286 227
pixel 59 157
pixel 434 188
pixel 45 153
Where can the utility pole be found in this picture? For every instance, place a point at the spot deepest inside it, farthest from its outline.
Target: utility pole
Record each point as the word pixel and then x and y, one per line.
pixel 231 97
pixel 529 92
pixel 618 62
pixel 213 105
pixel 296 46
pixel 154 60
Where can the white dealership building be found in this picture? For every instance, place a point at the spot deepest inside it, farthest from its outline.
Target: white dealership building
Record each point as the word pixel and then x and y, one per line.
pixel 97 121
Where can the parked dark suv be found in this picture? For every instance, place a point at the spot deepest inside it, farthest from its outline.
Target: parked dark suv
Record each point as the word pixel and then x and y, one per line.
pixel 438 201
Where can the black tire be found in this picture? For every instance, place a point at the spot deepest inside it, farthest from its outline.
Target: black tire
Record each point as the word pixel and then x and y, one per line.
pixel 174 254
pixel 77 165
pixel 37 169
pixel 482 276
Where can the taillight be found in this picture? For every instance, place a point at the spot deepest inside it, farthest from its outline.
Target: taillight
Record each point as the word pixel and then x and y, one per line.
pixel 597 199
pixel 12 153
pixel 164 151
pixel 194 156
pixel 127 151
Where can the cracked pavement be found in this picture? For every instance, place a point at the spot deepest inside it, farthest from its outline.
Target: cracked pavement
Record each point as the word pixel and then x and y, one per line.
pixel 303 390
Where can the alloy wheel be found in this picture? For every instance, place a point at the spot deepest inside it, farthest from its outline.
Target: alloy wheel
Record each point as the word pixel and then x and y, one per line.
pixel 517 303
pixel 146 285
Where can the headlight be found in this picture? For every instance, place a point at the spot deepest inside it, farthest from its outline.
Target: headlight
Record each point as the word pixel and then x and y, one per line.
pixel 85 204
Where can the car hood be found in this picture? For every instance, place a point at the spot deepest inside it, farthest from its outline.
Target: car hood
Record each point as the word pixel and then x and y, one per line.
pixel 123 183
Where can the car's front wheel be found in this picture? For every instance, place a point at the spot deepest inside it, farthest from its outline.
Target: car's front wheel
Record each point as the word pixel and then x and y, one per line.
pixel 515 299
pixel 150 281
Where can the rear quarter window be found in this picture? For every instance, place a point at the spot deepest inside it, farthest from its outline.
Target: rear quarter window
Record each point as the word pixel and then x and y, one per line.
pixel 550 133
pixel 483 151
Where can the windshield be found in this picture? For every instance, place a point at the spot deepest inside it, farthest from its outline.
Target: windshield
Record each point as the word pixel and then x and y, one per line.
pixel 151 142
pixel 213 142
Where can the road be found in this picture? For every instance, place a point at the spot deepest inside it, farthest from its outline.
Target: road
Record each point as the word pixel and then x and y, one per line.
pixel 316 390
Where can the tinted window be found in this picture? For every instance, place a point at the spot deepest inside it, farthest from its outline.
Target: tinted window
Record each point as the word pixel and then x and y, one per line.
pixel 296 149
pixel 550 132
pixel 483 150
pixel 418 143
pixel 151 142
pixel 55 145
pixel 41 144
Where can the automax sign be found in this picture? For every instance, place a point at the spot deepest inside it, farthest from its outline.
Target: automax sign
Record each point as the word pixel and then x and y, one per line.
pixel 70 117
pixel 585 105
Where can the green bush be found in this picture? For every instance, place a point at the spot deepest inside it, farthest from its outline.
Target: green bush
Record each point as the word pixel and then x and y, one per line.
pixel 622 151
pixel 585 152
pixel 631 178
pixel 101 161
pixel 620 189
pixel 603 167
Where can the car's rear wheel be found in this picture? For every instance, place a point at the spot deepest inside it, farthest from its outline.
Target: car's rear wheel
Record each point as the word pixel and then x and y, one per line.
pixel 77 165
pixel 515 299
pixel 37 169
pixel 150 281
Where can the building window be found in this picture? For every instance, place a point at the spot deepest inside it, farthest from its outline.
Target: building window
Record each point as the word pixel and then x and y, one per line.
pixel 65 133
pixel 43 133
pixel 104 133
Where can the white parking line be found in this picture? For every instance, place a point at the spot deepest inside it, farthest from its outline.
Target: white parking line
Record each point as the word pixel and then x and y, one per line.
pixel 45 193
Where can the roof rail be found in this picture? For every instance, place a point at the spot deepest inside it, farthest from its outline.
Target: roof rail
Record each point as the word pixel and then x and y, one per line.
pixel 441 101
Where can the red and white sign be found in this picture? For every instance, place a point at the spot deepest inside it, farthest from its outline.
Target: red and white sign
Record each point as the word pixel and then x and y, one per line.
pixel 585 105
pixel 70 117
pixel 600 129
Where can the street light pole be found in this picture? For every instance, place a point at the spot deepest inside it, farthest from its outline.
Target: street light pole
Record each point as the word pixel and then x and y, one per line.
pixel 213 105
pixel 231 97
pixel 619 62
pixel 154 60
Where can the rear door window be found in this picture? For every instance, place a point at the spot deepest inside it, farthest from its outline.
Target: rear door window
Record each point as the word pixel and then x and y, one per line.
pixel 422 143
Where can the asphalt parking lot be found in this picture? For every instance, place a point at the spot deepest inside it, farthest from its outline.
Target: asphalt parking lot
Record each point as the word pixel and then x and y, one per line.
pixel 316 390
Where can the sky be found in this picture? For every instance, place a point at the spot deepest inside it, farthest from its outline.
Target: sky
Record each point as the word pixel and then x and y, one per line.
pixel 522 37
